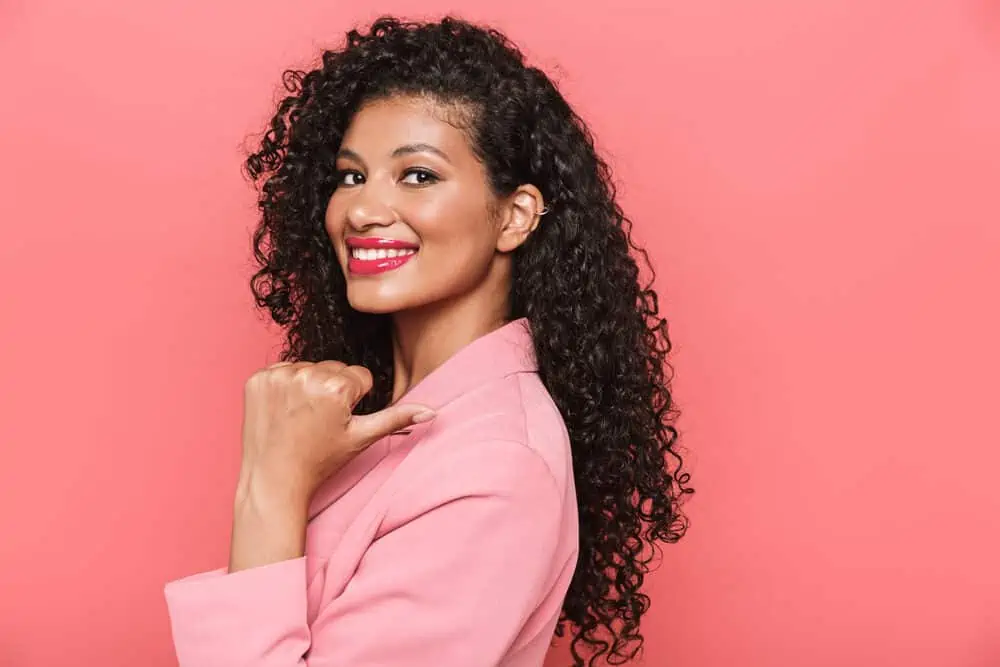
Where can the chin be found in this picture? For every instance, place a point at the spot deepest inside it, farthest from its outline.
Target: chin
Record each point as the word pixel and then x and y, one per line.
pixel 365 301
pixel 374 309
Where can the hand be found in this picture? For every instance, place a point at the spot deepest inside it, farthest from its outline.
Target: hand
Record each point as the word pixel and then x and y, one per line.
pixel 298 426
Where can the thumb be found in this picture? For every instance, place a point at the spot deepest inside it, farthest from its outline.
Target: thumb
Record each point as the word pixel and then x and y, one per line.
pixel 366 429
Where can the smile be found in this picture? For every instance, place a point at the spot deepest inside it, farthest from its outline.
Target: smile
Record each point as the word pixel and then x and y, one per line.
pixel 370 256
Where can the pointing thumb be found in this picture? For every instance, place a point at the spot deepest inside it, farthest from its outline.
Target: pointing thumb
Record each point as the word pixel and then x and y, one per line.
pixel 369 428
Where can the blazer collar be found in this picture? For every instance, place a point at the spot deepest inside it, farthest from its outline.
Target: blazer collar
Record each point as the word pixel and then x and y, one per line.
pixel 502 352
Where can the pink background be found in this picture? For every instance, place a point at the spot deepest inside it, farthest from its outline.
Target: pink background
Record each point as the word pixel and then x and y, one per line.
pixel 819 185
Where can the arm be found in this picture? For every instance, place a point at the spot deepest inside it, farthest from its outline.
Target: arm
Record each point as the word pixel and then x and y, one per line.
pixel 217 616
pixel 467 555
pixel 269 524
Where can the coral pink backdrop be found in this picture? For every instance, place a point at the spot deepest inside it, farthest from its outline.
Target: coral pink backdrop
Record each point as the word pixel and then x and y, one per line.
pixel 817 184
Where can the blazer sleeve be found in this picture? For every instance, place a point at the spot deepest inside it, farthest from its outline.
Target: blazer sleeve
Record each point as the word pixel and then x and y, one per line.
pixel 465 555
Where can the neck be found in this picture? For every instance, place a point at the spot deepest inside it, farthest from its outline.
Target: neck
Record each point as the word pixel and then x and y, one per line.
pixel 424 338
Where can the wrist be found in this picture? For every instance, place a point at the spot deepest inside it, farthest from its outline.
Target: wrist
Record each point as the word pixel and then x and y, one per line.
pixel 269 492
pixel 269 524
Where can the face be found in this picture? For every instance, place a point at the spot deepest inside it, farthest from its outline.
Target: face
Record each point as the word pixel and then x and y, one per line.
pixel 413 219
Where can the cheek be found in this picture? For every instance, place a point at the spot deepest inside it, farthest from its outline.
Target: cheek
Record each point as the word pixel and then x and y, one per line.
pixel 333 223
pixel 334 218
pixel 464 246
pixel 460 225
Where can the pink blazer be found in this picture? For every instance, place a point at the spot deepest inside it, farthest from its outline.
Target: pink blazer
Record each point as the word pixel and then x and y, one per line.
pixel 450 545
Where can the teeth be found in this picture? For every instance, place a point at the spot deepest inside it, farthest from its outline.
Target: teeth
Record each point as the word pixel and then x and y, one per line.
pixel 371 254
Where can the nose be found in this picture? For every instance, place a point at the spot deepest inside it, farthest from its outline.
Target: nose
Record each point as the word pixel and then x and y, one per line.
pixel 368 209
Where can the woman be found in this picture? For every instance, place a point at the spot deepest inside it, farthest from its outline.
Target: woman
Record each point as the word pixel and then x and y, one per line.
pixel 467 444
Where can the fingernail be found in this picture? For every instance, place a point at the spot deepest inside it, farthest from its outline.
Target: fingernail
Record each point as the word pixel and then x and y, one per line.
pixel 423 416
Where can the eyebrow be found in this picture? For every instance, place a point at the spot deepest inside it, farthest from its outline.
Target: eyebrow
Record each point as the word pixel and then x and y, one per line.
pixel 407 149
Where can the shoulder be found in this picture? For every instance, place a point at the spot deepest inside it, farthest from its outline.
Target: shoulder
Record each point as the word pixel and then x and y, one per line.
pixel 506 439
pixel 516 410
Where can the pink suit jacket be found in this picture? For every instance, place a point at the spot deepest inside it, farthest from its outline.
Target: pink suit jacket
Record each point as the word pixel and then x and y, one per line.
pixel 450 545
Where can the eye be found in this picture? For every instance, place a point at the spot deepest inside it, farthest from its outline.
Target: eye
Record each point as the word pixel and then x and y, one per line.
pixel 420 177
pixel 348 177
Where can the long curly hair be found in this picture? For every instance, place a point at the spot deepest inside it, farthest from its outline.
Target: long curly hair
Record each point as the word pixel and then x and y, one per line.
pixel 600 342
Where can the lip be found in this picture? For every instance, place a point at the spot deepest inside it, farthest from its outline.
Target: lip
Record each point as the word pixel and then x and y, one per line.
pixel 376 242
pixel 371 267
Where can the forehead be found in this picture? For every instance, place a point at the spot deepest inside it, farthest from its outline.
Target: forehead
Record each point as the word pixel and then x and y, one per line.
pixel 382 125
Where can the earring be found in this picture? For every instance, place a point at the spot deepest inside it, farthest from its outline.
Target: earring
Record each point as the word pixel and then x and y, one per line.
pixel 545 209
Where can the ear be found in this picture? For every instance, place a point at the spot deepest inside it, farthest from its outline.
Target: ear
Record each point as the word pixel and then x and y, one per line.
pixel 519 217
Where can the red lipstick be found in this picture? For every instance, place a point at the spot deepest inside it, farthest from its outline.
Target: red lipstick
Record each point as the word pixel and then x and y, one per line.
pixel 373 255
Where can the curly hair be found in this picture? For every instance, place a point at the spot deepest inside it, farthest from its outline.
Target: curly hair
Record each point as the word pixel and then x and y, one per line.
pixel 600 342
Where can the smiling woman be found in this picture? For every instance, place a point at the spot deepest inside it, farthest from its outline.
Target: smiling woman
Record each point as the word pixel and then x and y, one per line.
pixel 468 444
pixel 406 175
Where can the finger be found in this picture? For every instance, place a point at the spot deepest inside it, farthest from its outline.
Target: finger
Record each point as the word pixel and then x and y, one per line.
pixel 361 382
pixel 278 369
pixel 366 429
pixel 330 365
pixel 290 365
pixel 347 387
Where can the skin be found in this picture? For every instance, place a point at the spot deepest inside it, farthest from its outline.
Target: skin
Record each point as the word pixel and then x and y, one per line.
pixel 408 173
